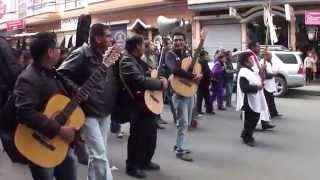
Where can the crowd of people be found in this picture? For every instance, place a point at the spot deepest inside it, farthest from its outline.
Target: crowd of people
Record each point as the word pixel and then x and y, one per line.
pixel 32 77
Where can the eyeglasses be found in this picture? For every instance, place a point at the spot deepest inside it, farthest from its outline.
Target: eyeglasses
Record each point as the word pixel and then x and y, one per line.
pixel 176 40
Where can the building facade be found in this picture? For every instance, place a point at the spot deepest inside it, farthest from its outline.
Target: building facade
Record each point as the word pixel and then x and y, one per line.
pixel 61 16
pixel 246 23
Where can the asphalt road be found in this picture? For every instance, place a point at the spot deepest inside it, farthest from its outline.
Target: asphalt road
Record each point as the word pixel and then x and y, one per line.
pixel 290 152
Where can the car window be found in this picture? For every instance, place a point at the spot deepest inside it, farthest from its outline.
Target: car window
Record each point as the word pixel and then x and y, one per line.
pixel 288 58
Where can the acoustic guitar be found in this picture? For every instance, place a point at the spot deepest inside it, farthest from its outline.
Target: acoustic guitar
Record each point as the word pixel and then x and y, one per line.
pixel 154 99
pixel 46 152
pixel 182 86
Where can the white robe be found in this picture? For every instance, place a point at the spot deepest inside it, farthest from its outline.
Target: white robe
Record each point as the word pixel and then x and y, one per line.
pixel 269 84
pixel 264 115
pixel 255 100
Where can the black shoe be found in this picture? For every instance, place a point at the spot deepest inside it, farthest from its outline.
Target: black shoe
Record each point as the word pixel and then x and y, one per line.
pixel 137 173
pixel 222 109
pixel 186 151
pixel 184 157
pixel 151 167
pixel 250 143
pixel 266 126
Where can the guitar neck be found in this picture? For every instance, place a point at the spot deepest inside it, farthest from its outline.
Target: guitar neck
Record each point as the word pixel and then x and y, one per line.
pixel 83 93
pixel 196 54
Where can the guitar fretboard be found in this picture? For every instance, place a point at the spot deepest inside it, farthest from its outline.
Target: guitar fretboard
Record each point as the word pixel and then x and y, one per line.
pixel 100 73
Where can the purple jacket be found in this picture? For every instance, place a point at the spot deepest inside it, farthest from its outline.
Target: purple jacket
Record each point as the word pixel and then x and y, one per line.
pixel 218 74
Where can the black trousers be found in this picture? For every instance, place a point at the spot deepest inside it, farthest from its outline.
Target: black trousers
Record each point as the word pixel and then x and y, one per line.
pixel 203 94
pixel 251 119
pixel 309 75
pixel 142 141
pixel 65 171
pixel 115 127
pixel 271 104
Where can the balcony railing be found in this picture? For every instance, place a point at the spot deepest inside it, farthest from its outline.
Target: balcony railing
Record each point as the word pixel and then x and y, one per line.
pixel 41 6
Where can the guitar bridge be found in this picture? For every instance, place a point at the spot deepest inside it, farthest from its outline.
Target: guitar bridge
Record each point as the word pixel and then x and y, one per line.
pixel 43 140
pixel 187 83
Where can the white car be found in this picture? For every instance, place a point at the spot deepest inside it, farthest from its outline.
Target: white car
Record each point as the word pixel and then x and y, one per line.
pixel 288 69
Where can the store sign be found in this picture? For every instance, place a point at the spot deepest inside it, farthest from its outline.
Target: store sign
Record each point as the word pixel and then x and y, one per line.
pixel 119 34
pixel 3 8
pixel 14 25
pixel 312 17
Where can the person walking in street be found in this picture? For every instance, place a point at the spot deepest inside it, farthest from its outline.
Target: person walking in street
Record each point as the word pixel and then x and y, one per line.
pixel 143 126
pixel 254 48
pixel 314 63
pixel 229 75
pixel 308 64
pixel 270 86
pixel 34 86
pixel 79 66
pixel 150 58
pixel 249 98
pixel 203 89
pixel 218 72
pixel 183 105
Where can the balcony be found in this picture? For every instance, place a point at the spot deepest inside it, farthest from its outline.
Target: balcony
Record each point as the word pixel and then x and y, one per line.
pixel 40 11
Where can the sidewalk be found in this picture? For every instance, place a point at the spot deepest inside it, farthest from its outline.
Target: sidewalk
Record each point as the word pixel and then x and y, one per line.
pixel 312 89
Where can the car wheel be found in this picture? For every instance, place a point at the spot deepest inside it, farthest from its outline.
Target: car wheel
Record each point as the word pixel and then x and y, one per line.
pixel 281 86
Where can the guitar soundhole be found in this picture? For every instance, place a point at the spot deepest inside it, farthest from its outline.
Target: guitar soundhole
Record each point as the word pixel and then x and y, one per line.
pixel 185 82
pixel 43 140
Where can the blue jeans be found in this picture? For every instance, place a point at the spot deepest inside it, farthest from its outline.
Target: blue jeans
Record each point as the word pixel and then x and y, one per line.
pixel 183 106
pixel 96 131
pixel 229 90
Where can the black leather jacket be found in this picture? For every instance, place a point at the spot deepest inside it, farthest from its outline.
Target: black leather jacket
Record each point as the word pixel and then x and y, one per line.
pixel 9 70
pixel 33 88
pixel 134 73
pixel 78 67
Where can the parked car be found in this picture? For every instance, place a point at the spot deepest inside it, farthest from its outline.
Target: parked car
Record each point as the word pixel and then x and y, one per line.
pixel 288 69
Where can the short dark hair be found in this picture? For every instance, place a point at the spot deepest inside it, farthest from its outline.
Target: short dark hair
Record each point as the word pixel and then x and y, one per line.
pixel 243 58
pixel 179 34
pixel 40 44
pixel 252 44
pixel 203 52
pixel 132 42
pixel 97 29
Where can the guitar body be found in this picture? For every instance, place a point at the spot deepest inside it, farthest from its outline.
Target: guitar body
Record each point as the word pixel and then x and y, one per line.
pixel 184 86
pixel 154 99
pixel 28 143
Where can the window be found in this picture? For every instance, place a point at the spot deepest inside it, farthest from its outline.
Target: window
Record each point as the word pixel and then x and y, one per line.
pixel 288 58
pixel 71 4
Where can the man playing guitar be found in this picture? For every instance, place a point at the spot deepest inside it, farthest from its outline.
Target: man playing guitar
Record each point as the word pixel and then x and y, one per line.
pixel 183 105
pixel 143 127
pixel 34 86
